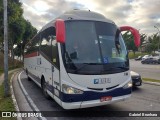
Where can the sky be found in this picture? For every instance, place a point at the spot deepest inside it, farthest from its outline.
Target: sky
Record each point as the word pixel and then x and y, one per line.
pixel 141 14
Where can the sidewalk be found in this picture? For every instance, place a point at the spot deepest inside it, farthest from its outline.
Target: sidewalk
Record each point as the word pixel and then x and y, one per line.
pixel 2 76
pixel 20 99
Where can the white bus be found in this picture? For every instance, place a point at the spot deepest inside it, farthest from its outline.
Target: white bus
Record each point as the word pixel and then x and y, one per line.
pixel 80 60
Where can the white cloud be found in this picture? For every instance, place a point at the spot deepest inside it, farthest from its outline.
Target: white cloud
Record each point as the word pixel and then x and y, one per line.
pixel 142 14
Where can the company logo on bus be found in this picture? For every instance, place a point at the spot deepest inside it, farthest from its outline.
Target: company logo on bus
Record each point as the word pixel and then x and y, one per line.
pixel 102 80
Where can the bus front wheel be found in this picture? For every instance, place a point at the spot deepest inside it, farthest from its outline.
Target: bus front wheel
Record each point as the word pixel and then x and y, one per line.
pixel 44 88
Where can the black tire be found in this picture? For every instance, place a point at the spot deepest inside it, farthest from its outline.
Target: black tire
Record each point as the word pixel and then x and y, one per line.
pixel 44 89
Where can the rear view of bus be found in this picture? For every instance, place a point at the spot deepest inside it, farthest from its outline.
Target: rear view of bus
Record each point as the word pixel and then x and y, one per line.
pixel 92 58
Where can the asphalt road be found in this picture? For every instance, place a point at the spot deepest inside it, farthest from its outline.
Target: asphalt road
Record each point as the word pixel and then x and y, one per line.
pixel 144 98
pixel 146 70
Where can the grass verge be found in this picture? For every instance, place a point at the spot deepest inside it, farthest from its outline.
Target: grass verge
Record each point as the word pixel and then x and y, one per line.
pixel 6 103
pixel 131 55
pixel 150 80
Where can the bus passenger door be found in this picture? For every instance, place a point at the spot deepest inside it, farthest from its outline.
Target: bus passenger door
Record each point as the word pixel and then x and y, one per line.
pixel 55 80
pixel 55 68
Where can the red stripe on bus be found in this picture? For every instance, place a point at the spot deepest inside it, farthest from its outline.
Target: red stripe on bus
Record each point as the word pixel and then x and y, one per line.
pixel 31 55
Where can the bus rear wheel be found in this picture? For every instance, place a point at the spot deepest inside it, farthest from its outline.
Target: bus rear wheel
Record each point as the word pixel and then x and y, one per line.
pixel 44 89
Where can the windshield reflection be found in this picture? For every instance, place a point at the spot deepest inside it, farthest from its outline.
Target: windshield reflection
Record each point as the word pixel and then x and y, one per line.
pixel 94 47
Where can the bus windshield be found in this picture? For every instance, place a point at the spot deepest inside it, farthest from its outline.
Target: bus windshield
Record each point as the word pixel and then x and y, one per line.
pixel 94 47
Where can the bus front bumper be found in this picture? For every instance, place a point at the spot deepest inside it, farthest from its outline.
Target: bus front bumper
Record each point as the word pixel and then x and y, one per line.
pixel 92 103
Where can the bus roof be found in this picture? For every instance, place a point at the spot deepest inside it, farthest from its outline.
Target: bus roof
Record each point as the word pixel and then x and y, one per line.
pixel 79 15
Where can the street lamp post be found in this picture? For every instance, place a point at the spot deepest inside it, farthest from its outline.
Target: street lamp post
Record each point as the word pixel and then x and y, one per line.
pixel 159 39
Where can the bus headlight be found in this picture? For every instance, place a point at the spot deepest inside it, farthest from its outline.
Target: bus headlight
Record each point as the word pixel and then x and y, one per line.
pixel 71 90
pixel 128 85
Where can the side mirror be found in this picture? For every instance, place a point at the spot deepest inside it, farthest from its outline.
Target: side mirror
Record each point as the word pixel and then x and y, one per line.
pixel 60 31
pixel 134 32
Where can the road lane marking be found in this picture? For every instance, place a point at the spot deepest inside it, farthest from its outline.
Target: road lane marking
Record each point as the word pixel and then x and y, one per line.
pixel 13 96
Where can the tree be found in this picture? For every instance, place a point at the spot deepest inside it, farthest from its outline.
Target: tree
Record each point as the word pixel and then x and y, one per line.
pixel 14 14
pixel 153 40
pixel 16 37
pixel 1 23
pixel 129 41
pixel 29 32
pixel 143 38
pixel 16 24
pixel 20 30
pixel 17 27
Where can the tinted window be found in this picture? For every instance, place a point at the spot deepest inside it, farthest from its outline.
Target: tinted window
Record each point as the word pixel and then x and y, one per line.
pixel 94 47
pixel 33 45
pixel 94 42
pixel 49 46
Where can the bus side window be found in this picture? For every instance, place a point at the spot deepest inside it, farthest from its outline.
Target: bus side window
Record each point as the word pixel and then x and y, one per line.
pixel 49 45
pixel 33 45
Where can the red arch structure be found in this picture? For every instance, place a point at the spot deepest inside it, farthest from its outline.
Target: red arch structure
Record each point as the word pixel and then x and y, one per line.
pixel 134 32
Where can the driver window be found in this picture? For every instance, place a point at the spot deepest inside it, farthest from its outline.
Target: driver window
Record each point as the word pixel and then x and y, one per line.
pixel 48 46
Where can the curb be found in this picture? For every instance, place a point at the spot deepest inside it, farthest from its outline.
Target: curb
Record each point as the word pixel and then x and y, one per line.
pixel 13 95
pixel 151 83
pixel 28 98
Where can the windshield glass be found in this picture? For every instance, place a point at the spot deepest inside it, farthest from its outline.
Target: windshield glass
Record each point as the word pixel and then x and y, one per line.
pixel 93 44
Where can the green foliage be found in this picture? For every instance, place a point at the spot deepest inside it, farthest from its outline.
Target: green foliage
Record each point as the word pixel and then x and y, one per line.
pixel 152 44
pixel 19 29
pixel 6 103
pixel 1 22
pixel 150 80
pixel 129 41
pixel 132 55
pixel 14 11
pixel 29 32
pixel 143 37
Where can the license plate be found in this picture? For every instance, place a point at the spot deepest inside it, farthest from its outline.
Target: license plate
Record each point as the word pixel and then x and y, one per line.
pixel 106 98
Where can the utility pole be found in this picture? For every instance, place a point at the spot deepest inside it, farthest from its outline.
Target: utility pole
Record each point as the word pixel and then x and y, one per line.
pixel 6 82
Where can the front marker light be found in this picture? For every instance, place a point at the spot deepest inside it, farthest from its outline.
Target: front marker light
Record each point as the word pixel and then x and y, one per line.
pixel 71 90
pixel 128 85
